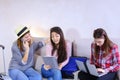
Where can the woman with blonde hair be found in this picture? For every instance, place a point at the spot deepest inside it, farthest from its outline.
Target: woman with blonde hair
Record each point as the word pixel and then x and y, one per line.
pixel 22 61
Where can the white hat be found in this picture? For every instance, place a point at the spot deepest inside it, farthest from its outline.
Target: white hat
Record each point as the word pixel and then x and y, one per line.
pixel 20 31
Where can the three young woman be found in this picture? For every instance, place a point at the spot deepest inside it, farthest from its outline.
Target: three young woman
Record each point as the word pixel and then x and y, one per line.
pixel 104 55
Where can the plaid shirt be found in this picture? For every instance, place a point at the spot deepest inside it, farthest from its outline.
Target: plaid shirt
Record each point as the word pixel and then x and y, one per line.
pixel 110 63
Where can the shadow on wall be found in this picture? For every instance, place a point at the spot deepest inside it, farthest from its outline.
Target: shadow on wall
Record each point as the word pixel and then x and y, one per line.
pixel 81 46
pixel 74 36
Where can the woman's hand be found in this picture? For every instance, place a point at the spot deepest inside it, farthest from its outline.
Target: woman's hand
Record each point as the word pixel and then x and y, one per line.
pixel 26 52
pixel 100 70
pixel 47 67
pixel 26 45
pixel 60 66
pixel 47 41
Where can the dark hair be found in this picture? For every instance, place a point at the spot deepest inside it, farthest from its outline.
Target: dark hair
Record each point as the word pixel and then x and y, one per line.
pixel 100 33
pixel 61 50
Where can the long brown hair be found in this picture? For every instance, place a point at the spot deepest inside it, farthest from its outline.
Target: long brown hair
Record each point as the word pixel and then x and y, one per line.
pixel 107 45
pixel 61 50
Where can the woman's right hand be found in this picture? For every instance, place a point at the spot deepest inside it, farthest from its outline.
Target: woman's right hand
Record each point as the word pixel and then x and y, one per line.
pixel 26 45
pixel 47 41
pixel 100 70
pixel 26 52
pixel 47 67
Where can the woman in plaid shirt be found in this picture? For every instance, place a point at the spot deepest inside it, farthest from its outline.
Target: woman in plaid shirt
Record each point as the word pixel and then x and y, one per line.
pixel 104 55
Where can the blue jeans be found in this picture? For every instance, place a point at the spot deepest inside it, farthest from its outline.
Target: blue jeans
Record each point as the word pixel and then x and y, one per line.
pixel 53 74
pixel 109 76
pixel 29 74
pixel 85 76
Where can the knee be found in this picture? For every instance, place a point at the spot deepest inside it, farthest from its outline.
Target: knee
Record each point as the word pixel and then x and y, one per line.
pixel 16 74
pixel 13 72
pixel 39 77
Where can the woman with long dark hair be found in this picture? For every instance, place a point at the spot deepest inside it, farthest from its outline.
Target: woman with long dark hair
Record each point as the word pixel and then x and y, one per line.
pixel 60 49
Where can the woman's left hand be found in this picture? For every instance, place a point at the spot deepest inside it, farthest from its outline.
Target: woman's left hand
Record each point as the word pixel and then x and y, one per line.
pixel 60 66
pixel 47 67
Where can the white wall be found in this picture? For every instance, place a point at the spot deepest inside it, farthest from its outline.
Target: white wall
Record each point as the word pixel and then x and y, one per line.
pixel 77 18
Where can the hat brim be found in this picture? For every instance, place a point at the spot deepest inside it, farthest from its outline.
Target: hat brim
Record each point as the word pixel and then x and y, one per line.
pixel 23 33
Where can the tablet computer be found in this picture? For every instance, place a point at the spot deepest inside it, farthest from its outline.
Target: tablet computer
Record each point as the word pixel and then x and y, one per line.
pixel 52 61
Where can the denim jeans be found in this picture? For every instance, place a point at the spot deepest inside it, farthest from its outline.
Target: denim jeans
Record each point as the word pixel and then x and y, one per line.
pixel 85 76
pixel 29 74
pixel 56 74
